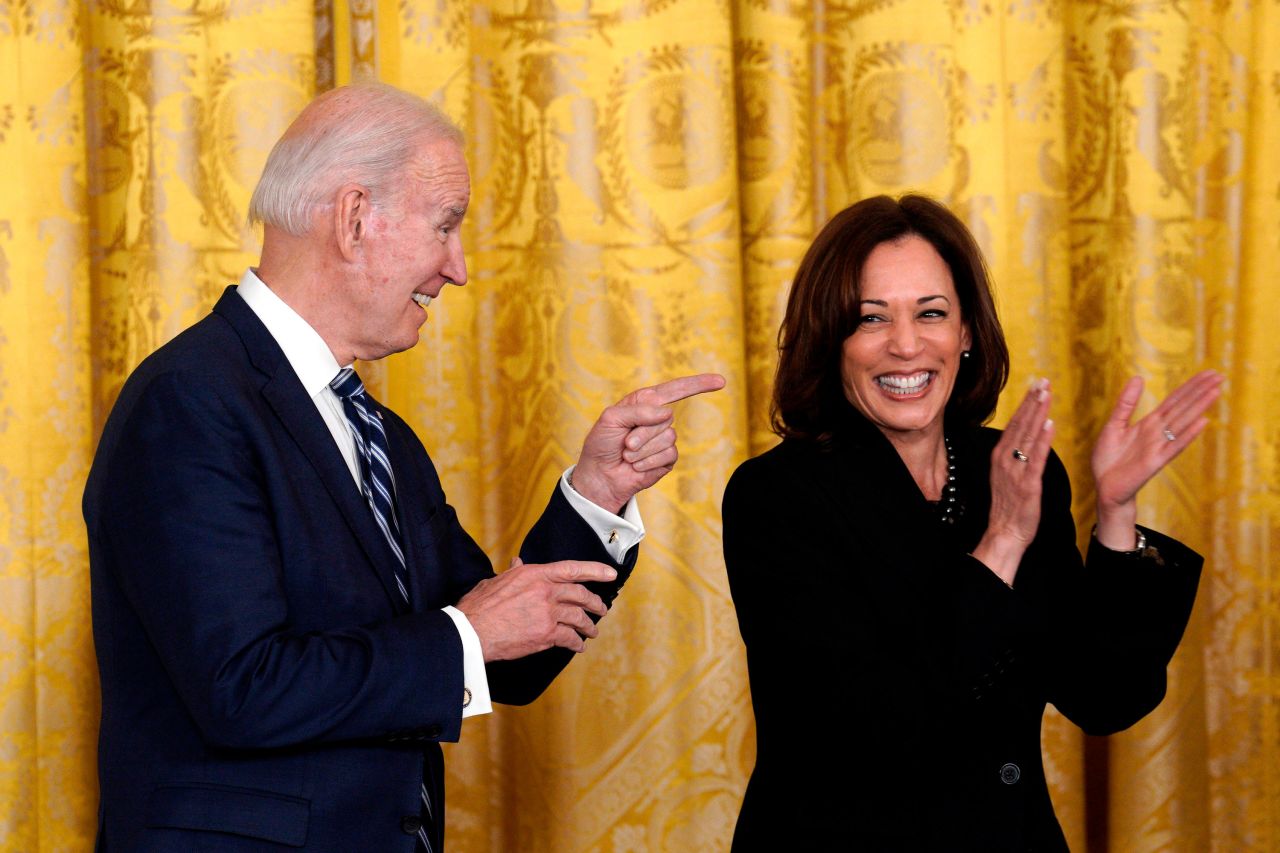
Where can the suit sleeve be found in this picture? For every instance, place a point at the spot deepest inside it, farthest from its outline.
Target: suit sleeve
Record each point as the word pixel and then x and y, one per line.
pixel 780 558
pixel 1116 619
pixel 194 548
pixel 559 534
pixel 763 547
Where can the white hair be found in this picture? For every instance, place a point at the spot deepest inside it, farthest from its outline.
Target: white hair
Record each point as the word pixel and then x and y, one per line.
pixel 369 133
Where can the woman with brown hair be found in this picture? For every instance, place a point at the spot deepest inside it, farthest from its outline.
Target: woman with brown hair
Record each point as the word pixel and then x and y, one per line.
pixel 907 581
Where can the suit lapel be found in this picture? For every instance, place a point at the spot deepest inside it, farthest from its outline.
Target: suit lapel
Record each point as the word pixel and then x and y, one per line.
pixel 416 531
pixel 873 492
pixel 898 550
pixel 297 413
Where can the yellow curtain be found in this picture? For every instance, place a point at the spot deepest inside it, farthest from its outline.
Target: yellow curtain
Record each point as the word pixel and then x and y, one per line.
pixel 646 175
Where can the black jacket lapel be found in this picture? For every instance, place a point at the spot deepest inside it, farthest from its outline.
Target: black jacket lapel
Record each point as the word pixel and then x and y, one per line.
pixel 872 488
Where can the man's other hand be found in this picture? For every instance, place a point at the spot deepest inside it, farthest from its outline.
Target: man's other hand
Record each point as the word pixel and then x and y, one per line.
pixel 534 606
pixel 633 444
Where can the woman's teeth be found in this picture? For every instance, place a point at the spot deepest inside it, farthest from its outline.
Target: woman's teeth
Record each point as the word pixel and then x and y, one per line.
pixel 422 299
pixel 905 385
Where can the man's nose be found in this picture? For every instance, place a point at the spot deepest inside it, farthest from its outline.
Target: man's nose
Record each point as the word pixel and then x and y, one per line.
pixel 455 269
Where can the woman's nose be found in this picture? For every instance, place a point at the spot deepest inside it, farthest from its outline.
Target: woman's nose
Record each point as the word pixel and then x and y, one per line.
pixel 904 340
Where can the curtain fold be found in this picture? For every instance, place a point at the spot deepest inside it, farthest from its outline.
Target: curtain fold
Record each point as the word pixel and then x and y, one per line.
pixel 47 689
pixel 646 175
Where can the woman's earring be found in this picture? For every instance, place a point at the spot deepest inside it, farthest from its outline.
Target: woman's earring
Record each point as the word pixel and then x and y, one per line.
pixel 964 354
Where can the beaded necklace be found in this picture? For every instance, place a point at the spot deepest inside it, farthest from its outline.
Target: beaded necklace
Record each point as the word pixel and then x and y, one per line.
pixel 950 508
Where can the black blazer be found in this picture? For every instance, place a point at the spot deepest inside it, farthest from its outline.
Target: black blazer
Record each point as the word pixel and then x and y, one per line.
pixel 881 652
pixel 264 685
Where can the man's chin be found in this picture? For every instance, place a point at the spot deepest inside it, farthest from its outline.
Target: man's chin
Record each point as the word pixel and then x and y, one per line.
pixel 409 335
pixel 386 348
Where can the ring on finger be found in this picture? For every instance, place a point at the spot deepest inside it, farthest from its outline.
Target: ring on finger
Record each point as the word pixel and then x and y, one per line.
pixel 1020 456
pixel 1168 435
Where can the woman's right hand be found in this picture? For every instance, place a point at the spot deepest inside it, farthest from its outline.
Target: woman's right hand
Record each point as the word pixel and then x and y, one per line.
pixel 1017 470
pixel 1127 455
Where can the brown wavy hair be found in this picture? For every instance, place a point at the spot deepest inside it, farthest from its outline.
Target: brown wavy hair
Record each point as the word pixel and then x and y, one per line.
pixel 824 306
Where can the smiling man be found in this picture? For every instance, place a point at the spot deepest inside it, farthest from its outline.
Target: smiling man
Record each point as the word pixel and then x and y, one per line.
pixel 288 615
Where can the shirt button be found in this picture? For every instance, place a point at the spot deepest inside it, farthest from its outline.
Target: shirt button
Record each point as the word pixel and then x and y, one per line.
pixel 1010 774
pixel 410 824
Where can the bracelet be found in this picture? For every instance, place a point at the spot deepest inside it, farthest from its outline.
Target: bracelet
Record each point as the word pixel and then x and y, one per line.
pixel 1138 547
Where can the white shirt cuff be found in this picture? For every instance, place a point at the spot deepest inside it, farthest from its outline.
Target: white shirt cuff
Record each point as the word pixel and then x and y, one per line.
pixel 618 534
pixel 474 677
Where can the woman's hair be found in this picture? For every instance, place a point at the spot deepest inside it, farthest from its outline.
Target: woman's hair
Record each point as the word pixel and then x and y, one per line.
pixel 382 130
pixel 824 306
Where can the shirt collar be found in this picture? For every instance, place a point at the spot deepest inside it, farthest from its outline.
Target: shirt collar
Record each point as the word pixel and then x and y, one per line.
pixel 307 353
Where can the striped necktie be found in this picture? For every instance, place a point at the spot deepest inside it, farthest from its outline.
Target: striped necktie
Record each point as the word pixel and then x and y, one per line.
pixel 379 488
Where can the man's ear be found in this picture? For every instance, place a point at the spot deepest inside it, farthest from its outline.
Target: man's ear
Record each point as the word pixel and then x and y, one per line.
pixel 351 212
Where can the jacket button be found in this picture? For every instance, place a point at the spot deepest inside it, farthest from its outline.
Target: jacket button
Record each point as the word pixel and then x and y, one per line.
pixel 410 824
pixel 1010 774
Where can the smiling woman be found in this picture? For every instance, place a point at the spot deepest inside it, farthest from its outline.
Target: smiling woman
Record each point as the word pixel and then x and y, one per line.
pixel 901 361
pixel 960 605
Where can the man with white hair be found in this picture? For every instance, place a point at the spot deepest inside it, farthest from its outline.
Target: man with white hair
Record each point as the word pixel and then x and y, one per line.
pixel 287 614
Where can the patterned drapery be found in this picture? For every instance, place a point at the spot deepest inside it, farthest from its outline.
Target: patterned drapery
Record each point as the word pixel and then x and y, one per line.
pixel 646 175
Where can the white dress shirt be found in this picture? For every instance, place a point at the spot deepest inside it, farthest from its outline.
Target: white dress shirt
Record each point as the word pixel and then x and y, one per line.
pixel 313 362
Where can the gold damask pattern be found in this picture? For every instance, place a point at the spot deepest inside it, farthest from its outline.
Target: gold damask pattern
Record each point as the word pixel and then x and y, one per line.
pixel 603 257
pixel 130 134
pixel 646 175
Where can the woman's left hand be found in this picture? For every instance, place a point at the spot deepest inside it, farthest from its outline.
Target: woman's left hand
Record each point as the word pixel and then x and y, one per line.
pixel 1127 455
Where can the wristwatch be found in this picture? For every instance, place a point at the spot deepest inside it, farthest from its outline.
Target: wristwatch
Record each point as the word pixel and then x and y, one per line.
pixel 1138 548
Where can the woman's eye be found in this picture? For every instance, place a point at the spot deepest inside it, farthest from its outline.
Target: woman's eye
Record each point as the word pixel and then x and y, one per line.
pixel 868 319
pixel 934 313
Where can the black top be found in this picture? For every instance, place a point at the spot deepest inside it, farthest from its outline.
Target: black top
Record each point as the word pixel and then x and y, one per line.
pixel 880 652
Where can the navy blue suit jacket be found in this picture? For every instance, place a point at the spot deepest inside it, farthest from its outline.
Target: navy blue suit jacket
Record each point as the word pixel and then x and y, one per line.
pixel 264 685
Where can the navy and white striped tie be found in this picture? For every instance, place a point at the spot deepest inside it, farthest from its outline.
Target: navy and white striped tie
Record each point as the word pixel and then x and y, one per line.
pixel 375 466
pixel 379 488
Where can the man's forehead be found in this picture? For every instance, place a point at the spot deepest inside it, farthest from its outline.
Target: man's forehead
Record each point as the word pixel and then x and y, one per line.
pixel 441 155
pixel 442 170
